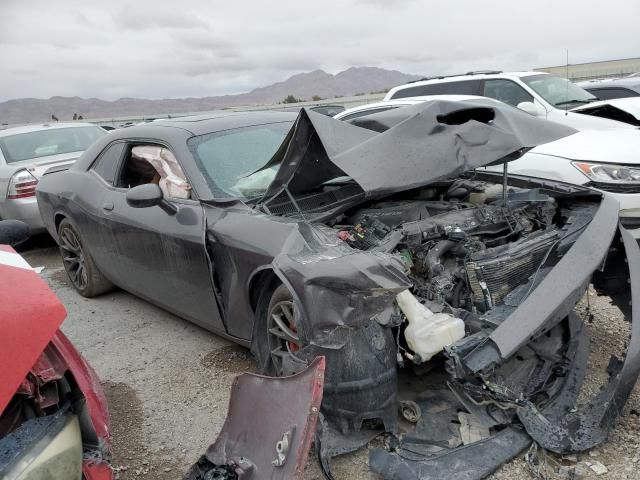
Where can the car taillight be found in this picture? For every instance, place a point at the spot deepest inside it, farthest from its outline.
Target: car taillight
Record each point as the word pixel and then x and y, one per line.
pixel 22 185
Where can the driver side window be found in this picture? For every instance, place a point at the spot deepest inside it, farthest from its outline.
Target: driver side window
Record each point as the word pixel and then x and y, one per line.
pixel 150 163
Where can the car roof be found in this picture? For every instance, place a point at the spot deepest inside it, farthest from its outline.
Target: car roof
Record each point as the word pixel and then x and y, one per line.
pixel 482 75
pixel 406 101
pixel 218 121
pixel 42 126
pixel 629 82
pixel 616 145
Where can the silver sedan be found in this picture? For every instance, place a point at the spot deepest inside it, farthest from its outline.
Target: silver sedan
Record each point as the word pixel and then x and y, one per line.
pixel 26 153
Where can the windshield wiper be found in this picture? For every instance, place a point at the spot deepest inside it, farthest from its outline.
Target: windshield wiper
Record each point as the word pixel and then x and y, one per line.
pixel 575 101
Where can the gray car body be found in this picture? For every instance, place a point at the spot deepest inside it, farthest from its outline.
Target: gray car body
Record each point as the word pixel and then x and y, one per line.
pixel 209 262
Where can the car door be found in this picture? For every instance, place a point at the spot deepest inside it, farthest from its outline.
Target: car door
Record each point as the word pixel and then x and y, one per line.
pixel 99 178
pixel 159 256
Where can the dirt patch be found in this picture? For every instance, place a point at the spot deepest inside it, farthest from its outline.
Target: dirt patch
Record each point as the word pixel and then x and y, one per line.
pixel 61 278
pixel 230 359
pixel 131 457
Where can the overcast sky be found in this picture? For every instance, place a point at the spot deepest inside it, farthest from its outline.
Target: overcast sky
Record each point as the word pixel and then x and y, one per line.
pixel 153 49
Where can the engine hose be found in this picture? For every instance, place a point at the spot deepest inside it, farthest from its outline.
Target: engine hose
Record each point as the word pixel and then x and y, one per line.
pixel 432 259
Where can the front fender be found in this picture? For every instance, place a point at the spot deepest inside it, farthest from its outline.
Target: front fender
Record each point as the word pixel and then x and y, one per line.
pixel 338 292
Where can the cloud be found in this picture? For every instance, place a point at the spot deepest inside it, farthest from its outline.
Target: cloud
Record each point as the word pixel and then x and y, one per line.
pixel 154 49
pixel 136 16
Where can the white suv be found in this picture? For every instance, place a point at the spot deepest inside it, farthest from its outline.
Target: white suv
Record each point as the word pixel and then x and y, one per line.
pixel 540 94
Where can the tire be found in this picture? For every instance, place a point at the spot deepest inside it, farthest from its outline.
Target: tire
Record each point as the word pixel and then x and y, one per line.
pixel 83 274
pixel 274 312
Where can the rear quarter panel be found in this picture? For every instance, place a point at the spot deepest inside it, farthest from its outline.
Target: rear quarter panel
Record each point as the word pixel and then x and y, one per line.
pixel 75 194
pixel 57 190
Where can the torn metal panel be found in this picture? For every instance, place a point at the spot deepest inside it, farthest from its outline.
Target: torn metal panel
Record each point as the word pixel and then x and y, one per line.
pixel 580 430
pixel 417 145
pixel 269 428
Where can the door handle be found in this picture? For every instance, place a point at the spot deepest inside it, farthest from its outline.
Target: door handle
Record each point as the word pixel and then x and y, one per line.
pixel 107 206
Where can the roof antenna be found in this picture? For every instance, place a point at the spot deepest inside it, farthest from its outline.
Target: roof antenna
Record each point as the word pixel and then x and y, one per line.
pixel 566 98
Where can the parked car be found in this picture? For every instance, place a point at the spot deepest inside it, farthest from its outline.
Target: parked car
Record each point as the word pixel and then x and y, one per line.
pixel 625 110
pixel 602 159
pixel 26 152
pixel 538 93
pixel 378 245
pixel 54 421
pixel 613 87
pixel 379 107
pixel 329 110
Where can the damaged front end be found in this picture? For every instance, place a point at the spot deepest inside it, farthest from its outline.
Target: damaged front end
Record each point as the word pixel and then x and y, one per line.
pixel 491 353
pixel 442 299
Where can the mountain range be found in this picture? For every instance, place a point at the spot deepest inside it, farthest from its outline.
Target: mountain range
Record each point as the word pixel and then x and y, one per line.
pixel 304 86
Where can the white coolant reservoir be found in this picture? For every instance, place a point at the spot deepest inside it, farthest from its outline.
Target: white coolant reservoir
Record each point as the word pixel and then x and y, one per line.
pixel 428 333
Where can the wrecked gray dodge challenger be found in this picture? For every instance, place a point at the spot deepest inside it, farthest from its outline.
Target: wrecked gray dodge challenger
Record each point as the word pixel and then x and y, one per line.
pixel 441 298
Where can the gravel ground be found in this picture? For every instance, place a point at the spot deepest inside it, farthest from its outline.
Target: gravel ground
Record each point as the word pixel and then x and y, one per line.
pixel 168 381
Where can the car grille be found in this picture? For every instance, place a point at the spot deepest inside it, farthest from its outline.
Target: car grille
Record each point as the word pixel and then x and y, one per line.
pixel 616 187
pixel 505 270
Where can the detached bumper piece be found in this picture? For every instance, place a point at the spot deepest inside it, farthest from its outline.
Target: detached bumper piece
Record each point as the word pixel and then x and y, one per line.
pixel 580 430
pixel 469 462
pixel 269 428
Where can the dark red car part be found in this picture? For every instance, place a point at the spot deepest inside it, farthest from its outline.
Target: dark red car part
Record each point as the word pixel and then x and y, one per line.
pixel 269 428
pixel 30 315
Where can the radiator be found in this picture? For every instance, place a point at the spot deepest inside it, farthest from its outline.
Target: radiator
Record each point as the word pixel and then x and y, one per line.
pixel 495 272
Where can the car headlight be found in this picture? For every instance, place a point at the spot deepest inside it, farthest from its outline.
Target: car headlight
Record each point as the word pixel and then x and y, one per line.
pixel 608 173
pixel 54 450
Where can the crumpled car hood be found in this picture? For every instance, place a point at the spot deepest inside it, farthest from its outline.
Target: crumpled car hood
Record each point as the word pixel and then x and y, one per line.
pixel 404 148
pixel 30 315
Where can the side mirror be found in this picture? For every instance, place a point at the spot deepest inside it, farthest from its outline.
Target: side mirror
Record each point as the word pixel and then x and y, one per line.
pixel 532 109
pixel 13 232
pixel 149 195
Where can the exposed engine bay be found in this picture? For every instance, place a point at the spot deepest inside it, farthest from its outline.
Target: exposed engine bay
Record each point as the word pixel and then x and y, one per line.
pixel 464 246
pixel 473 255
